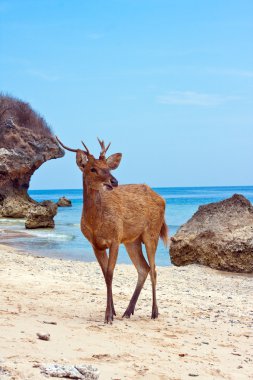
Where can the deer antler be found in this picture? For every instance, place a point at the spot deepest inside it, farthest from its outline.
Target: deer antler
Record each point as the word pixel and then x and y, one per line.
pixel 103 148
pixel 87 150
pixel 64 146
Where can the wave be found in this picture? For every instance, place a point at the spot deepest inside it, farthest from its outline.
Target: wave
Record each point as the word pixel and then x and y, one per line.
pixel 50 235
pixel 11 221
pixel 68 224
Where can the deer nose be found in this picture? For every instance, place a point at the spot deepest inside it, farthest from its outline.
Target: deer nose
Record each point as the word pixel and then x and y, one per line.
pixel 114 182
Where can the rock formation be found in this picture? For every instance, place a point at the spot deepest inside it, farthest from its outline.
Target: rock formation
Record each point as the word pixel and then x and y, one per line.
pixel 219 235
pixel 64 202
pixel 26 142
pixel 41 216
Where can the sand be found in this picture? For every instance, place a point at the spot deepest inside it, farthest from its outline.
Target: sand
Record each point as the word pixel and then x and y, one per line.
pixel 204 329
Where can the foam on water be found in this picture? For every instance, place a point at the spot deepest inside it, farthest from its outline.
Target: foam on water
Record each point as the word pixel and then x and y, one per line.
pixel 49 235
pixel 11 221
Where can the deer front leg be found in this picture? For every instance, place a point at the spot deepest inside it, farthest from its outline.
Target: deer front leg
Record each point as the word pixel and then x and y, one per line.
pixel 113 254
pixel 102 259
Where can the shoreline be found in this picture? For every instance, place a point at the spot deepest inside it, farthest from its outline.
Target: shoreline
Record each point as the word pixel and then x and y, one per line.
pixel 67 242
pixel 9 238
pixel 203 330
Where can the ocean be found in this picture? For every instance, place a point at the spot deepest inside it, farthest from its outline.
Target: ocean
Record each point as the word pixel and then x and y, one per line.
pixel 66 241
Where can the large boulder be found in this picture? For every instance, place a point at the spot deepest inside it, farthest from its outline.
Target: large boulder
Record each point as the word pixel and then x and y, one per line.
pixel 219 235
pixel 26 142
pixel 41 216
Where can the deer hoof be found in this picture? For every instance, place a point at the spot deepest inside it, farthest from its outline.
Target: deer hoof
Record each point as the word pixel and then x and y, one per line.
pixel 128 313
pixel 154 314
pixel 108 317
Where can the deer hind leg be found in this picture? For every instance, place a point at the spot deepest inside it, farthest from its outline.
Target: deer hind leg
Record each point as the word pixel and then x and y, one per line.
pixel 102 259
pixel 151 246
pixel 135 253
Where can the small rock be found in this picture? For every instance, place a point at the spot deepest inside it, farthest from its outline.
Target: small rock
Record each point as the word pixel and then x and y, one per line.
pixel 88 371
pixel 64 202
pixel 50 322
pixel 4 373
pixel 100 356
pixel 43 336
pixel 82 371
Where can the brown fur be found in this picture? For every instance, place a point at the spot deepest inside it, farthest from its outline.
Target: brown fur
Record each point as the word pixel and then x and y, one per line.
pixel 164 234
pixel 129 215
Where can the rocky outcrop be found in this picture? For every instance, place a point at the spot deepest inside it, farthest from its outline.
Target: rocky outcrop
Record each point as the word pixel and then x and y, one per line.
pixel 64 202
pixel 26 142
pixel 15 206
pixel 219 235
pixel 41 216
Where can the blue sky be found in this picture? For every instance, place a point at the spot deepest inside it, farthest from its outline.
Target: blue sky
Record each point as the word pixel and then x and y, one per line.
pixel 169 83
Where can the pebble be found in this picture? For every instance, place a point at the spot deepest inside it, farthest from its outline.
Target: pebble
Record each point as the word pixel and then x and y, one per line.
pixel 43 336
pixel 50 322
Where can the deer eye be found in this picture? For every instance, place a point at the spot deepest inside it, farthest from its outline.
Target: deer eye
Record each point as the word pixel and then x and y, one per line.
pixel 93 170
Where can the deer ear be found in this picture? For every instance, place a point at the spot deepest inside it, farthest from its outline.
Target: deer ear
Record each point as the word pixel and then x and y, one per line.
pixel 81 159
pixel 114 160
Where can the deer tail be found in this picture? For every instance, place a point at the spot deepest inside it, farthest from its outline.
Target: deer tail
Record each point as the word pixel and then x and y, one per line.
pixel 164 234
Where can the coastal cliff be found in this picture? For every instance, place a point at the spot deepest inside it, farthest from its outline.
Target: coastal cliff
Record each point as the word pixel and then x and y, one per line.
pixel 26 142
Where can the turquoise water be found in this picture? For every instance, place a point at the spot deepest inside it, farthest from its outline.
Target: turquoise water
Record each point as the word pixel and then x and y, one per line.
pixel 67 242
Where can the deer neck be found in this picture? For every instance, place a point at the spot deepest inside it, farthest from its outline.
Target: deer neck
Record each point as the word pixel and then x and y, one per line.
pixel 92 210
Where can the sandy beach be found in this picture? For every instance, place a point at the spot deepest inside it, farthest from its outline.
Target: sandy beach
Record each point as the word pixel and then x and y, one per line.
pixel 204 329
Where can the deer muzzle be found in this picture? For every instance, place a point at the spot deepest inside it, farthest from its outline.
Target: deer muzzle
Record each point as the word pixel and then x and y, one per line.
pixel 114 182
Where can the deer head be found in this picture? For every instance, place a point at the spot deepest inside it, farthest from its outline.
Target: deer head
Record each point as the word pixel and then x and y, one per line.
pixel 96 172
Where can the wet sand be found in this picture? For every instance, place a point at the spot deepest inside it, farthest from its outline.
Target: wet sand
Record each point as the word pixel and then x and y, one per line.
pixel 204 329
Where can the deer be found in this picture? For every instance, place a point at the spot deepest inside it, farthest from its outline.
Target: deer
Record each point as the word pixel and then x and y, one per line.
pixel 120 214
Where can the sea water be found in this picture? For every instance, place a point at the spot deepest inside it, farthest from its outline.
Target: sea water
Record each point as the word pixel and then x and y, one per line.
pixel 66 241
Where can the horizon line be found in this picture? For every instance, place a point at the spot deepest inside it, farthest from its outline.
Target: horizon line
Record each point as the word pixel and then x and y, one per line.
pixel 156 187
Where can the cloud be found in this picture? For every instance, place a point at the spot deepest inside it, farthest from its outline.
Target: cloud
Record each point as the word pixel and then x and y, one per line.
pixel 43 75
pixel 192 98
